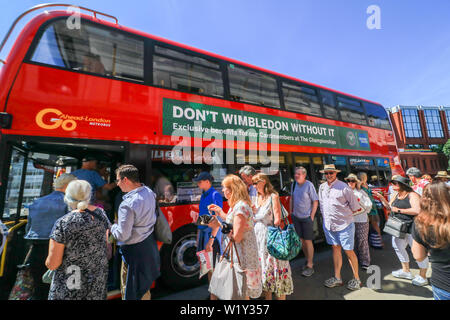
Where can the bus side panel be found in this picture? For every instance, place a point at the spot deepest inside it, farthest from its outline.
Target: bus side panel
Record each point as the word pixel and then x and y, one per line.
pixel 47 101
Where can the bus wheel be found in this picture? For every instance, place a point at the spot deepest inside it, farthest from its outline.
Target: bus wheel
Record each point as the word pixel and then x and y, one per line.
pixel 180 266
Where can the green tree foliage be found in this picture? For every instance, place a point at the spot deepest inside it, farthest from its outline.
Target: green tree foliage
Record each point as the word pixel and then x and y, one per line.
pixel 446 151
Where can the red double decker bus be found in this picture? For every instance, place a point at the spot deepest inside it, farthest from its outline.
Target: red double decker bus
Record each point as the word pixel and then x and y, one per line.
pixel 96 87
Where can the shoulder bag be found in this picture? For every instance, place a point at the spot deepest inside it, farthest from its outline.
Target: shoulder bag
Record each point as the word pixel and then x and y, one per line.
pixel 229 280
pixel 395 226
pixel 162 227
pixel 283 244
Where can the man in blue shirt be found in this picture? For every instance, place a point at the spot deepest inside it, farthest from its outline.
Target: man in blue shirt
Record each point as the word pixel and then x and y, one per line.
pixel 43 213
pixel 304 203
pixel 88 172
pixel 134 234
pixel 205 240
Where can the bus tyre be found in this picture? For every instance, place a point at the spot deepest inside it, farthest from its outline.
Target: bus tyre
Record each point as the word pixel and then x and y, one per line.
pixel 179 262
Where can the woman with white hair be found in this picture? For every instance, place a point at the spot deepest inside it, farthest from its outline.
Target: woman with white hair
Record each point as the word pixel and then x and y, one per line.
pixel 78 248
pixel 43 213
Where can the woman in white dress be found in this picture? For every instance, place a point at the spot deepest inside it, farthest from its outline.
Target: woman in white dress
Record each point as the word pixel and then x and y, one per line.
pixel 276 274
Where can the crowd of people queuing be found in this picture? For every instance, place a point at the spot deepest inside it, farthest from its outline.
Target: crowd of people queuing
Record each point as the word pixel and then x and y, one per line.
pixel 71 234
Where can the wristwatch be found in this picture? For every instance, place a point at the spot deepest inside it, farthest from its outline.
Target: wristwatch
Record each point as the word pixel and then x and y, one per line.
pixel 212 237
pixel 398 211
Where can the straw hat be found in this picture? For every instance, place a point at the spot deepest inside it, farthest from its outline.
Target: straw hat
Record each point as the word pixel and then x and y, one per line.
pixel 329 167
pixel 352 176
pixel 442 174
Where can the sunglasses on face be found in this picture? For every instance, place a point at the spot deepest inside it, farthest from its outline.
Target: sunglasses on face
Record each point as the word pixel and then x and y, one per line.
pixel 351 181
pixel 255 183
pixel 329 173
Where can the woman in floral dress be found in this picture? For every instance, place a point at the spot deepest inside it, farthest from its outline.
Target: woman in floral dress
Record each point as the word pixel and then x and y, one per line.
pixel 78 248
pixel 276 274
pixel 240 215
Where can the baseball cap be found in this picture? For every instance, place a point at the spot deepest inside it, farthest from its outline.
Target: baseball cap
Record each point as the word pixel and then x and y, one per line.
pixel 203 176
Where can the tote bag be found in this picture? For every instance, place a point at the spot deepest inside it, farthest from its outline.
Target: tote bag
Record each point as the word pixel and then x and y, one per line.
pixel 228 281
pixel 283 244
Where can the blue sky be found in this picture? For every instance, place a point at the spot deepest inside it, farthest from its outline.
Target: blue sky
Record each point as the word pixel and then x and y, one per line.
pixel 327 42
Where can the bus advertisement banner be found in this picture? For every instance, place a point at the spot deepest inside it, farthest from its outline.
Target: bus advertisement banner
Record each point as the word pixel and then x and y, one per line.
pixel 224 123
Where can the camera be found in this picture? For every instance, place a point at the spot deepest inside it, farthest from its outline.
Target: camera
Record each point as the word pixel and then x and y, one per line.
pixel 204 220
pixel 226 227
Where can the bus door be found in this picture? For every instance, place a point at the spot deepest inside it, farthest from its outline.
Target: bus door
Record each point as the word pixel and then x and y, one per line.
pixel 30 168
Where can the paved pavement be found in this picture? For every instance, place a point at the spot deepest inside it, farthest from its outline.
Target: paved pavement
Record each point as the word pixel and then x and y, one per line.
pixel 312 288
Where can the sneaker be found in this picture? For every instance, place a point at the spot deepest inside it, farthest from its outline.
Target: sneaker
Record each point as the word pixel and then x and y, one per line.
pixel 354 284
pixel 402 274
pixel 419 281
pixel 305 266
pixel 308 272
pixel 333 282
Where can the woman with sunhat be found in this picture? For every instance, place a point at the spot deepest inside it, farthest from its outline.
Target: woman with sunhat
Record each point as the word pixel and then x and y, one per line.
pixel 361 220
pixel 442 176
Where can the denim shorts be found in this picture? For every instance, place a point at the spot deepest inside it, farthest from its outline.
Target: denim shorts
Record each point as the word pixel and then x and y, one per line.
pixel 344 238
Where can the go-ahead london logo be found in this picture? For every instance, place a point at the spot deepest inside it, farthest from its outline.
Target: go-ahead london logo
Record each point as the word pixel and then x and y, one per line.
pixel 51 118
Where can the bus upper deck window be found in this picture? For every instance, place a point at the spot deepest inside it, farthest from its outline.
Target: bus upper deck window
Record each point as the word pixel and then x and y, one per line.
pixel 93 48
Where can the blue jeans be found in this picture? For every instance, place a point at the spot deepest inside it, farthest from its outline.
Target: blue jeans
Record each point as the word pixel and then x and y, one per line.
pixel 440 294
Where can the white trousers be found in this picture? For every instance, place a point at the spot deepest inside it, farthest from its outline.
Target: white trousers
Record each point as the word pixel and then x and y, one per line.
pixel 400 245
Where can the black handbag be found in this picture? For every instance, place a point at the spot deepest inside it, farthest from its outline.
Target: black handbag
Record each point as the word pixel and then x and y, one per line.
pixel 397 227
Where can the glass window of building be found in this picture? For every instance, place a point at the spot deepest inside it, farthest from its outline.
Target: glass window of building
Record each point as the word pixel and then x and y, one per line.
pixel 447 116
pixel 411 123
pixel 434 124
pixel 414 146
pixel 301 99
pixel 250 86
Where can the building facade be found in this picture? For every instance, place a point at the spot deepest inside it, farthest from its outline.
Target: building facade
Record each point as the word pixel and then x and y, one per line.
pixel 420 132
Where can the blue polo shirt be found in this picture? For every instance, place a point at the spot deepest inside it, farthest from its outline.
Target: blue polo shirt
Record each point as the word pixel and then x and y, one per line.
pixel 91 176
pixel 212 196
